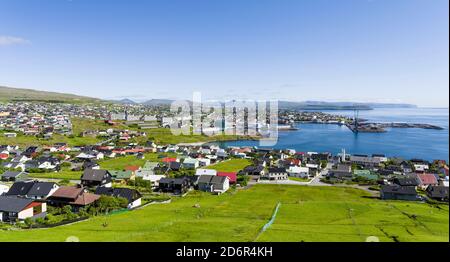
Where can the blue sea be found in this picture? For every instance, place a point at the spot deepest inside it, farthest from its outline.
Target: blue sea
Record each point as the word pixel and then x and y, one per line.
pixel 406 143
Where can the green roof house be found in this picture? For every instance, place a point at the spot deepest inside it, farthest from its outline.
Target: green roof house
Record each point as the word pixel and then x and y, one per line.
pixel 121 174
pixel 365 174
pixel 150 166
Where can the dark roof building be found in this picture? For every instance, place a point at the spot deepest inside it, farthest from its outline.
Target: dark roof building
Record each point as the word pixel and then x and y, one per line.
pixel 41 190
pixel 13 176
pixel 406 181
pixel 129 194
pixel 438 193
pixel 96 177
pixel 396 192
pixel 19 189
pixel 15 208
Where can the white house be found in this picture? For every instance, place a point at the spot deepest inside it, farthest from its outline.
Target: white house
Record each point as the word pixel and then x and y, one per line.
pixel 12 209
pixel 3 189
pixel 47 165
pixel 213 184
pixel 10 135
pixel 91 155
pixel 314 166
pixel 202 171
pixel 149 176
pixel 298 171
pixel 421 167
pixel 190 163
pixel 277 174
pixel 21 159
pixel 204 162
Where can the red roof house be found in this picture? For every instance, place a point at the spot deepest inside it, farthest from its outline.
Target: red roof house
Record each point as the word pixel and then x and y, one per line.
pixel 427 179
pixel 132 168
pixel 4 156
pixel 169 160
pixel 232 176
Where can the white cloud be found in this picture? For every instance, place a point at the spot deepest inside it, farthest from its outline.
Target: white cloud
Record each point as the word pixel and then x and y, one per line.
pixel 11 40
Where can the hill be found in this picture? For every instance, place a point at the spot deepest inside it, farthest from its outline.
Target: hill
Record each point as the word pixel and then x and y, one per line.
pixel 20 94
pixel 157 102
pixel 306 213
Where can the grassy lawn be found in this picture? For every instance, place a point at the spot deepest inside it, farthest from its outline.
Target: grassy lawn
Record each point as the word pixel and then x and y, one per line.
pixel 298 179
pixel 233 165
pixel 83 124
pixel 70 175
pixel 78 126
pixel 305 214
pixel 165 136
pixel 158 135
pixel 119 163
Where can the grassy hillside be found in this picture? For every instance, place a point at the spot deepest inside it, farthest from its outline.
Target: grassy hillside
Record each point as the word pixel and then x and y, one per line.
pixel 306 214
pixel 233 165
pixel 19 94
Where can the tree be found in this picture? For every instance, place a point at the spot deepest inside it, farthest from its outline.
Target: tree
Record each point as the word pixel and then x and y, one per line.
pixel 243 180
pixel 323 164
pixel 29 222
pixel 108 203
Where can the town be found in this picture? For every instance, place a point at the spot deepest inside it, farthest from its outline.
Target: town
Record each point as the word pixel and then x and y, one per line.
pixel 62 163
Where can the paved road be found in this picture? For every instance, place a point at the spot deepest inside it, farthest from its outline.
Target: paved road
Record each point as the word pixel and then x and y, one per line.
pixel 316 180
pixel 313 182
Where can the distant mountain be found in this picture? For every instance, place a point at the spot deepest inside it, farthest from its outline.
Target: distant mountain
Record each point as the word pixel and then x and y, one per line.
pixel 320 105
pixel 126 101
pixel 20 94
pixel 391 105
pixel 156 102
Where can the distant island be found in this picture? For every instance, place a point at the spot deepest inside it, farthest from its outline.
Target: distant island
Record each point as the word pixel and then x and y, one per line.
pixel 292 105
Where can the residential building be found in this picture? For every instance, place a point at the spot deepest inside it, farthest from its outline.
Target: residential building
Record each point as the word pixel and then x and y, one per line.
pixel 133 196
pixel 396 192
pixel 94 178
pixel 213 184
pixel 14 209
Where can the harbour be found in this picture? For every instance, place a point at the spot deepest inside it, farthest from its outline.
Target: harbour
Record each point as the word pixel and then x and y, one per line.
pixel 412 142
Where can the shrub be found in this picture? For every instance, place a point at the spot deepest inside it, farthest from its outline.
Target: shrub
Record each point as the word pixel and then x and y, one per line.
pixel 108 203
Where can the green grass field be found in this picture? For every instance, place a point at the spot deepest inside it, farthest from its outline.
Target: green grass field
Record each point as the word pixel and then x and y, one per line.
pixel 165 136
pixel 233 165
pixel 298 179
pixel 65 174
pixel 305 214
pixel 121 162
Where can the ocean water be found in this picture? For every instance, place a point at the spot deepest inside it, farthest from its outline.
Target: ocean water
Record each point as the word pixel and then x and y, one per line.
pixel 407 143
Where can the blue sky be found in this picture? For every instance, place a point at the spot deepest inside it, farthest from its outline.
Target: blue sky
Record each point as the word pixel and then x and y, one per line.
pixel 333 50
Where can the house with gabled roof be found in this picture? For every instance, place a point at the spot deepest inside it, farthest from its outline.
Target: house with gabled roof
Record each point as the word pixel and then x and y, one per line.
pixel 18 209
pixel 14 176
pixel 174 185
pixel 3 189
pixel 439 193
pixel 76 197
pixel 213 184
pixel 232 176
pixel 190 163
pixel 42 190
pixel 396 192
pixel 119 175
pixel 150 165
pixel 133 196
pixel 426 180
pixel 406 181
pixel 96 177
pixel 19 189
pixel 202 171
